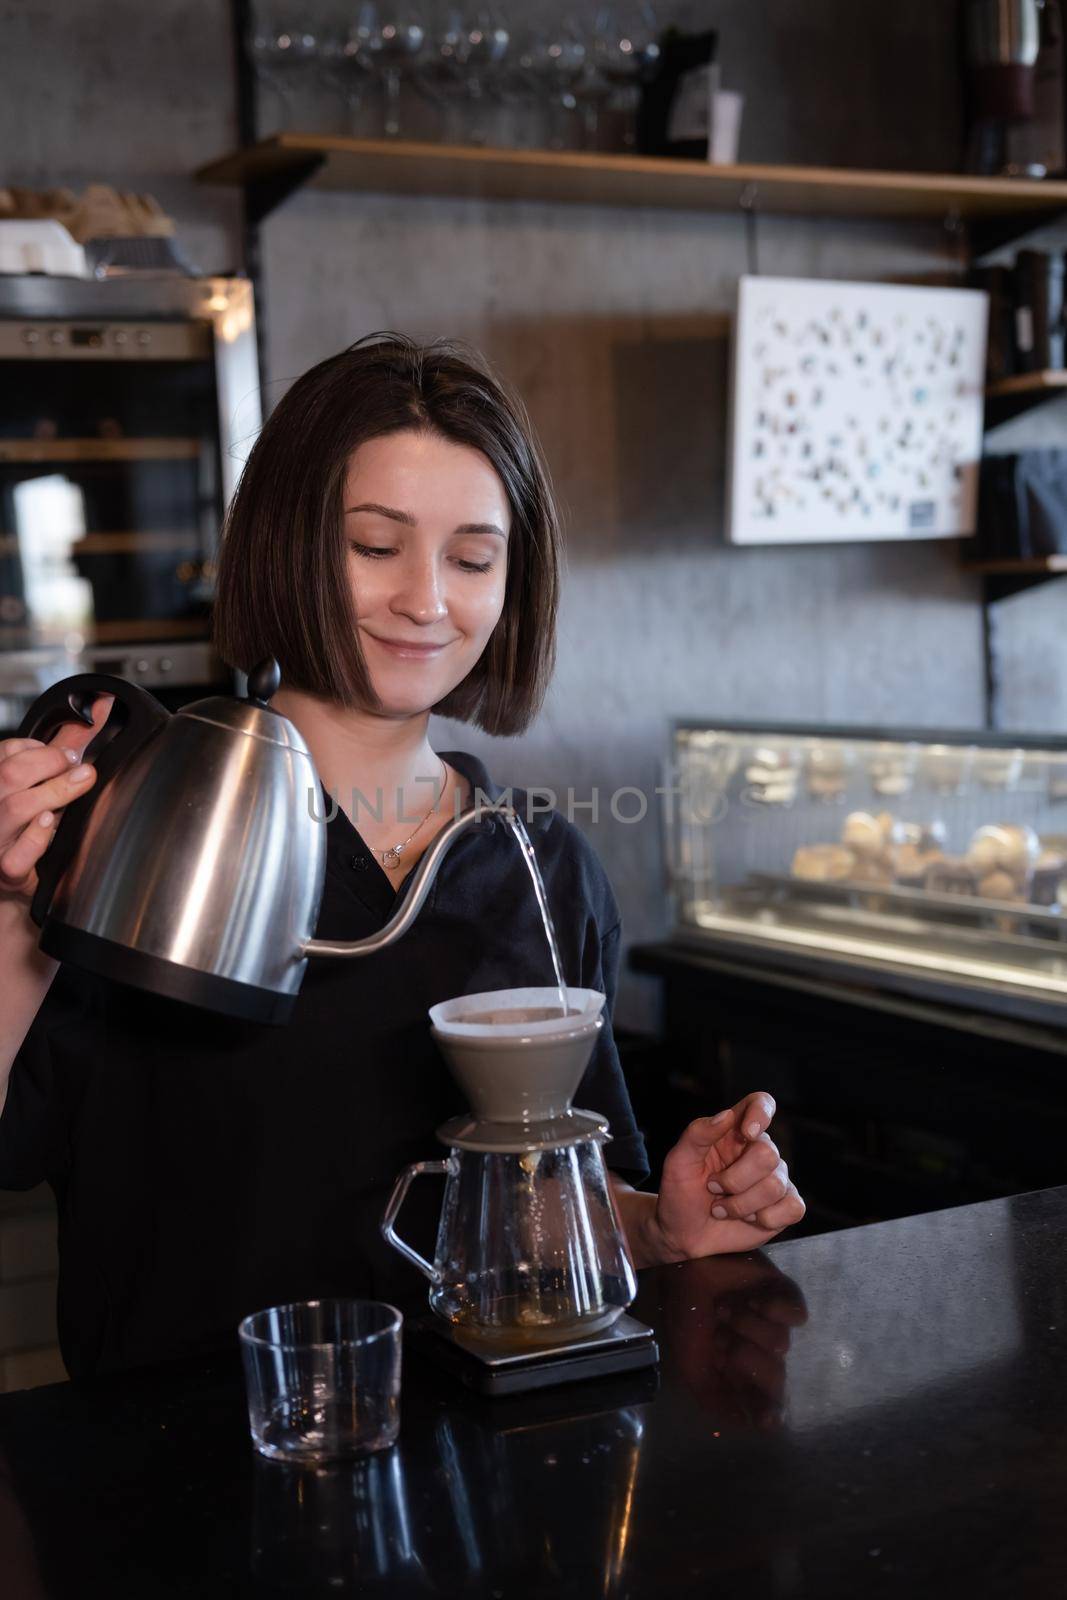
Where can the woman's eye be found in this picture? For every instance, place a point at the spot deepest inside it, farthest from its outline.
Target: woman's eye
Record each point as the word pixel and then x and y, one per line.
pixel 379 552
pixel 370 550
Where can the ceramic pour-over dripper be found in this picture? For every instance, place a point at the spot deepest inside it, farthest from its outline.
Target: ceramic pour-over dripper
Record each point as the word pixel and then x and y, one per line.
pixel 519 1063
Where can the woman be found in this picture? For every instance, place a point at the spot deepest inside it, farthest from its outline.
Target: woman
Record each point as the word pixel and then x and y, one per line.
pixel 394 544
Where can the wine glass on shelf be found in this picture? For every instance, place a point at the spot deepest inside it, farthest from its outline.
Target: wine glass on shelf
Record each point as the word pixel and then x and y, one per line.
pixel 592 92
pixel 556 55
pixel 486 42
pixel 441 74
pixel 520 85
pixel 283 51
pixel 626 47
pixel 395 37
pixel 342 70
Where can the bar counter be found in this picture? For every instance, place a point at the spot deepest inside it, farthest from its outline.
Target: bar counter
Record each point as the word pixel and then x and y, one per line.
pixel 877 1412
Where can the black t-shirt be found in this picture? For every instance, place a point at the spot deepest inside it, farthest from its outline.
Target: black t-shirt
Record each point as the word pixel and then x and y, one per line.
pixel 206 1167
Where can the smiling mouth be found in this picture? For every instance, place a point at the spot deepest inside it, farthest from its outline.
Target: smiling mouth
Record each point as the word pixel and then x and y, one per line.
pixel 414 649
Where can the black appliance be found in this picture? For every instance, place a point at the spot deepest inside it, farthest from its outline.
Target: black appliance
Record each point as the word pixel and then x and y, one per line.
pixel 126 409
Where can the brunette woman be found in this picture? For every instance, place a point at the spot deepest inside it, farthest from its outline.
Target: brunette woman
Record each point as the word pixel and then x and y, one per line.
pixel 394 544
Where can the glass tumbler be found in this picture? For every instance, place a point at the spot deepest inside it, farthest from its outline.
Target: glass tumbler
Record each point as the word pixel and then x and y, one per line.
pixel 323 1378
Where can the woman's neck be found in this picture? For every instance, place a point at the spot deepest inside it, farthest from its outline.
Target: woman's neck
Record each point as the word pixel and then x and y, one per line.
pixel 358 754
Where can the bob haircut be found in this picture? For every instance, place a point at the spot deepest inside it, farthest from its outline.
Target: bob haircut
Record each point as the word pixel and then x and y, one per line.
pixel 284 587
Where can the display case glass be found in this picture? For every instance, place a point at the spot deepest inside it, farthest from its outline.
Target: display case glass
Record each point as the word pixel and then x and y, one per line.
pixel 932 861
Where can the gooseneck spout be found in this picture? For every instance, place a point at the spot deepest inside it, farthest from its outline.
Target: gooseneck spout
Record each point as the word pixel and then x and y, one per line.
pixel 418 889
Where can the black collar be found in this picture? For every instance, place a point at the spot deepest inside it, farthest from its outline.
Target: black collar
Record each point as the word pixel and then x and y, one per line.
pixel 352 858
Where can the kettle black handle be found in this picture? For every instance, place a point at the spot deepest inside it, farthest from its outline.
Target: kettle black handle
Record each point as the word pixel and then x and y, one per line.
pixel 70 700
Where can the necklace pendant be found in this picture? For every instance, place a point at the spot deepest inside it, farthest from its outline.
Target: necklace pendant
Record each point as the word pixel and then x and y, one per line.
pixel 391 857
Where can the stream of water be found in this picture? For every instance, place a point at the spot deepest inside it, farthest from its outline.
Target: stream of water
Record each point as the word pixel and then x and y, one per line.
pixel 526 846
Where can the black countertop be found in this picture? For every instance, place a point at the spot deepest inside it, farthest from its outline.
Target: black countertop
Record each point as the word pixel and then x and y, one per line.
pixel 876 1412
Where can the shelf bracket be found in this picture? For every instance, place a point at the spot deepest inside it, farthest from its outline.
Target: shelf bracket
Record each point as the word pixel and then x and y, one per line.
pixel 264 195
pixel 987 234
pixel 997 586
pixel 748 201
pixel 957 236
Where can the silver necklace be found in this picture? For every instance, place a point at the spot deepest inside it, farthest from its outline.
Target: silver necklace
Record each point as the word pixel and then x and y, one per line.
pixel 391 857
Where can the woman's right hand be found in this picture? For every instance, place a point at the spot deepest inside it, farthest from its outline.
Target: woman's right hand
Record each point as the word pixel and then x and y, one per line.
pixel 36 781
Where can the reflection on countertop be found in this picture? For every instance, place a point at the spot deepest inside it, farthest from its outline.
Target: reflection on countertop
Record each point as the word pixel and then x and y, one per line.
pixel 845 1414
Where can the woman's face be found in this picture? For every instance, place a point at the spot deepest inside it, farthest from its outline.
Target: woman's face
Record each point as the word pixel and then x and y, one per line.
pixel 426 523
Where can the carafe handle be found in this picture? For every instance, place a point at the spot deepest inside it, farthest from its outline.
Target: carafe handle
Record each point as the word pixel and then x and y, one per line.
pixel 392 1211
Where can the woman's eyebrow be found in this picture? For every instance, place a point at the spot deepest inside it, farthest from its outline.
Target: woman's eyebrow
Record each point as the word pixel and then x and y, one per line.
pixel 480 527
pixel 410 521
pixel 384 511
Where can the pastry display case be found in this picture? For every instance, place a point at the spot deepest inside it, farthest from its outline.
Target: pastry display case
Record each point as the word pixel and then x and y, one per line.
pixel 934 863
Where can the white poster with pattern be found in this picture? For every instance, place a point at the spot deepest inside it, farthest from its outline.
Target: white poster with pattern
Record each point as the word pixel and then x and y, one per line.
pixel 856 411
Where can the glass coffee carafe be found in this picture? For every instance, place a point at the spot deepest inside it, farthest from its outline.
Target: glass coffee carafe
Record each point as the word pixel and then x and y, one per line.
pixel 530 1251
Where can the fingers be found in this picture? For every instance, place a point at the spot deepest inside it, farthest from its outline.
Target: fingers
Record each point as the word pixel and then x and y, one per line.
pixel 753 1115
pixel 36 781
pixel 754 1112
pixel 765 1192
pixel 696 1140
pixel 757 1163
pixel 20 805
pixel 10 747
pixel 725 1237
pixel 18 860
pixel 33 764
pixel 786 1213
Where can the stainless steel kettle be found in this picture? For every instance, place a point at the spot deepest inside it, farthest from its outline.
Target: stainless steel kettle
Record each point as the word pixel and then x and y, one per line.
pixel 195 865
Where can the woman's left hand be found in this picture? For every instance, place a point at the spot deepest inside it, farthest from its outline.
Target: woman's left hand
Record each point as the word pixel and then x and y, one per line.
pixel 724 1186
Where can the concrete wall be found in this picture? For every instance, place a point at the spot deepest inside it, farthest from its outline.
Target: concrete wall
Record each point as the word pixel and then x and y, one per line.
pixel 133 95
pixel 613 326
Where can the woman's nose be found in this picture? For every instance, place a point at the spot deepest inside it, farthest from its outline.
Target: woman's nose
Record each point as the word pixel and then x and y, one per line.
pixel 421 595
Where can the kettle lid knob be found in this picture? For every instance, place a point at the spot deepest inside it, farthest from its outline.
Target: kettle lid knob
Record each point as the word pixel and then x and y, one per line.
pixel 263 681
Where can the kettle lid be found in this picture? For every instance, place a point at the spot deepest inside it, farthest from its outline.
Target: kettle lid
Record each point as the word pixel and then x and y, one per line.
pixel 252 715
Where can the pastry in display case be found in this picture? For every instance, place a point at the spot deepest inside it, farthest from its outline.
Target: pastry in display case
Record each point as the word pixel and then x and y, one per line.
pixel 937 862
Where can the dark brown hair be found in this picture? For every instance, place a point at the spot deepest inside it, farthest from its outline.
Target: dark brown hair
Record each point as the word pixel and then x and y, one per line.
pixel 283 586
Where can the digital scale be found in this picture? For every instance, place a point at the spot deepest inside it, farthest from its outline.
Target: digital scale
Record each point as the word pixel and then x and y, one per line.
pixel 624 1347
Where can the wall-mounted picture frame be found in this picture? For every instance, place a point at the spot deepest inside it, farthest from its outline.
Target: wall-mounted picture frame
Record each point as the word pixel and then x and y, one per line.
pixel 856 411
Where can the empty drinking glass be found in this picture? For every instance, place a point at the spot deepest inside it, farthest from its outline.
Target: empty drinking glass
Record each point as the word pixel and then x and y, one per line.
pixel 323 1378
